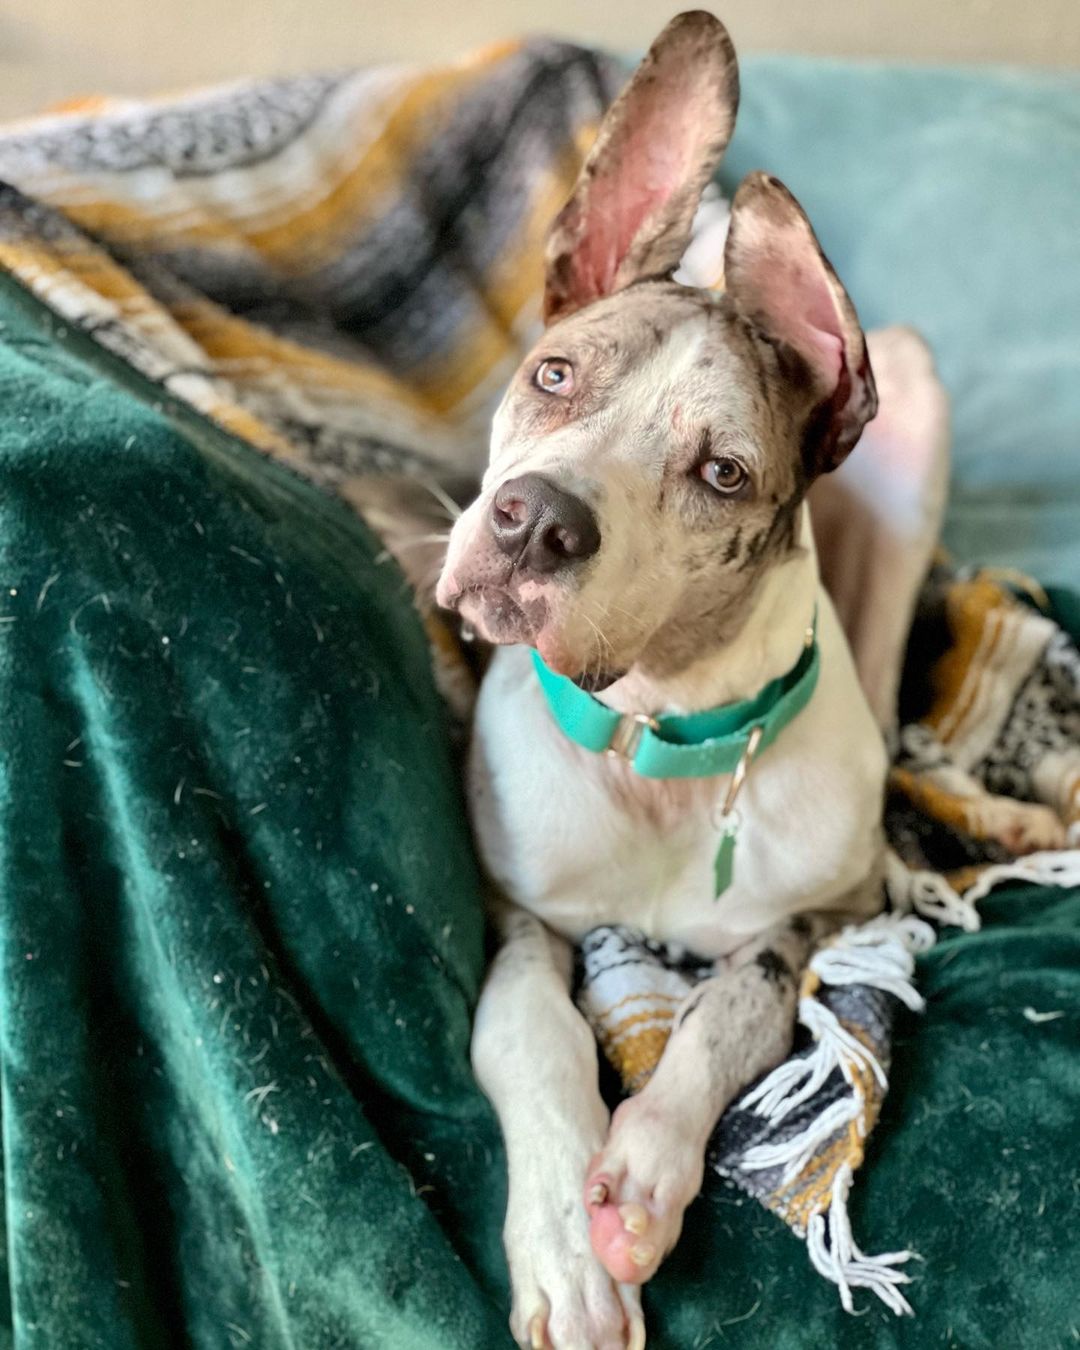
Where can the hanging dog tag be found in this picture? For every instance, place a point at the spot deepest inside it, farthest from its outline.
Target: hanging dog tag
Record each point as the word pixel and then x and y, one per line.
pixel 728 820
pixel 724 865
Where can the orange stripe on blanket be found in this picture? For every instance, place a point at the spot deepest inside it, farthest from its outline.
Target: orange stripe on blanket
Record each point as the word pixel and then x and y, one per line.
pixel 514 282
pixel 248 354
pixel 975 610
pixel 314 236
pixel 34 261
pixel 352 192
pixel 933 800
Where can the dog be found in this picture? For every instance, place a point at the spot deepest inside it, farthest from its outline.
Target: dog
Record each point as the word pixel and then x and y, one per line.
pixel 641 556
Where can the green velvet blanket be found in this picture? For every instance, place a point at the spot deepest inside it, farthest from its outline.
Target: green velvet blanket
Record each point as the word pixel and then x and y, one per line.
pixel 240 926
pixel 241 937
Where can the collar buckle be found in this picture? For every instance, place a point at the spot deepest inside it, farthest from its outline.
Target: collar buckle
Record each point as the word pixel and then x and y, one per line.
pixel 628 734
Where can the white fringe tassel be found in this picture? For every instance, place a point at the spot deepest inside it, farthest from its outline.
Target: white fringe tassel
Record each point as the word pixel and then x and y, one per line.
pixel 797 1080
pixel 928 894
pixel 793 1154
pixel 1059 868
pixel 880 954
pixel 836 1255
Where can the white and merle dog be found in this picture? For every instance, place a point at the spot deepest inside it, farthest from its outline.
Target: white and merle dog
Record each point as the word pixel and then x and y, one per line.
pixel 643 526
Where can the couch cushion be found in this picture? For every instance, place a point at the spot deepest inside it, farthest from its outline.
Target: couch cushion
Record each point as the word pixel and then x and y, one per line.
pixel 948 199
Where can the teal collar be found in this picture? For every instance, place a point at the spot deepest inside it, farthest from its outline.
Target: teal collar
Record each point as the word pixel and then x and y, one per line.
pixel 697 745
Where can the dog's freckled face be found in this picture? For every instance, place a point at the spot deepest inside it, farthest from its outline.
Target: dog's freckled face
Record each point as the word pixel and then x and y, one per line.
pixel 651 473
pixel 650 455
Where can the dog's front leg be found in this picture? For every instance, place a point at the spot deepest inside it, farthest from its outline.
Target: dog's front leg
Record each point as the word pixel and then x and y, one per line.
pixel 535 1057
pixel 730 1028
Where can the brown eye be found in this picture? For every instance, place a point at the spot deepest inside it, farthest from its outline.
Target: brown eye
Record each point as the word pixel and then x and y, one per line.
pixel 554 376
pixel 723 475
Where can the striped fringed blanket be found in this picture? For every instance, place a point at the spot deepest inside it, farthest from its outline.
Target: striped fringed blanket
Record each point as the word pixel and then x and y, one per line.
pixel 985 787
pixel 342 271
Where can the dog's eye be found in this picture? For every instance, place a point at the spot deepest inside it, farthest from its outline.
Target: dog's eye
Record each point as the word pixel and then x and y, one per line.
pixel 554 376
pixel 723 475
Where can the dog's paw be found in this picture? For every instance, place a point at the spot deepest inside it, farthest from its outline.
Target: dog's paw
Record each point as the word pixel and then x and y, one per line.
pixel 559 1308
pixel 563 1299
pixel 1022 827
pixel 638 1187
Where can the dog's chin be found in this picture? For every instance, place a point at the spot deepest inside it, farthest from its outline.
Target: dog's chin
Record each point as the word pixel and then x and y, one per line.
pixel 500 618
pixel 497 617
pixel 585 671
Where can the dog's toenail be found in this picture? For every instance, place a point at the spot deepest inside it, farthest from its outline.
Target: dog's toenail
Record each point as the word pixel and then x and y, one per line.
pixel 597 1194
pixel 635 1218
pixel 643 1254
pixel 536 1333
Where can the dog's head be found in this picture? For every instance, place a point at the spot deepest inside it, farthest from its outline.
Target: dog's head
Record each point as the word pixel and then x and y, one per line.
pixel 650 455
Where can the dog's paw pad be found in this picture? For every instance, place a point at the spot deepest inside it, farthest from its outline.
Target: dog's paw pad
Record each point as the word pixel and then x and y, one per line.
pixel 628 1238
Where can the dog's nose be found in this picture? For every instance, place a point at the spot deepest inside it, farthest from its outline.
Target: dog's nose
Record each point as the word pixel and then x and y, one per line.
pixel 542 526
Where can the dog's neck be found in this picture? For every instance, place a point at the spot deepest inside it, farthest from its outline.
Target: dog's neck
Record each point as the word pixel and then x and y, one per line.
pixel 766 646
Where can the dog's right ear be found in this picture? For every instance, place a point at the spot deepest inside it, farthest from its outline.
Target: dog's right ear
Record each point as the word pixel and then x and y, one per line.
pixel 630 214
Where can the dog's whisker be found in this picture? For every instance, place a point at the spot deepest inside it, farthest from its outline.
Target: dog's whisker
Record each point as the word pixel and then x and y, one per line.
pixel 414 541
pixel 602 613
pixel 444 499
pixel 617 609
pixel 604 645
pixel 612 608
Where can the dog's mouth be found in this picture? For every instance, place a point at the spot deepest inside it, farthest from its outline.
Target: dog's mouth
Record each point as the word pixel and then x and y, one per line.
pixel 494 613
pixel 500 617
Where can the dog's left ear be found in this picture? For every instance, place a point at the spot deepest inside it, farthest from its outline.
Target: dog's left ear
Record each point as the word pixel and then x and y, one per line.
pixel 778 278
pixel 632 208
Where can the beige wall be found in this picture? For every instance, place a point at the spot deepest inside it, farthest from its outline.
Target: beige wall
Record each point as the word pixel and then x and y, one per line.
pixel 54 49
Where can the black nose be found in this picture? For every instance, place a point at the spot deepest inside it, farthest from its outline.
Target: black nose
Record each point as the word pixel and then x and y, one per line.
pixel 540 525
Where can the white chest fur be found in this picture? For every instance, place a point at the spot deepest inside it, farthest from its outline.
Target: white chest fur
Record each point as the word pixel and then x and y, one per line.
pixel 580 840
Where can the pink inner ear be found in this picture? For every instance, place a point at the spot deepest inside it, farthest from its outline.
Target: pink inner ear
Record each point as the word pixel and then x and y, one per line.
pixel 795 294
pixel 648 163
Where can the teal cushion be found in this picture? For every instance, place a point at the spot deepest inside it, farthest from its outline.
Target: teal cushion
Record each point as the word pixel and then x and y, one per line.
pixel 949 200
